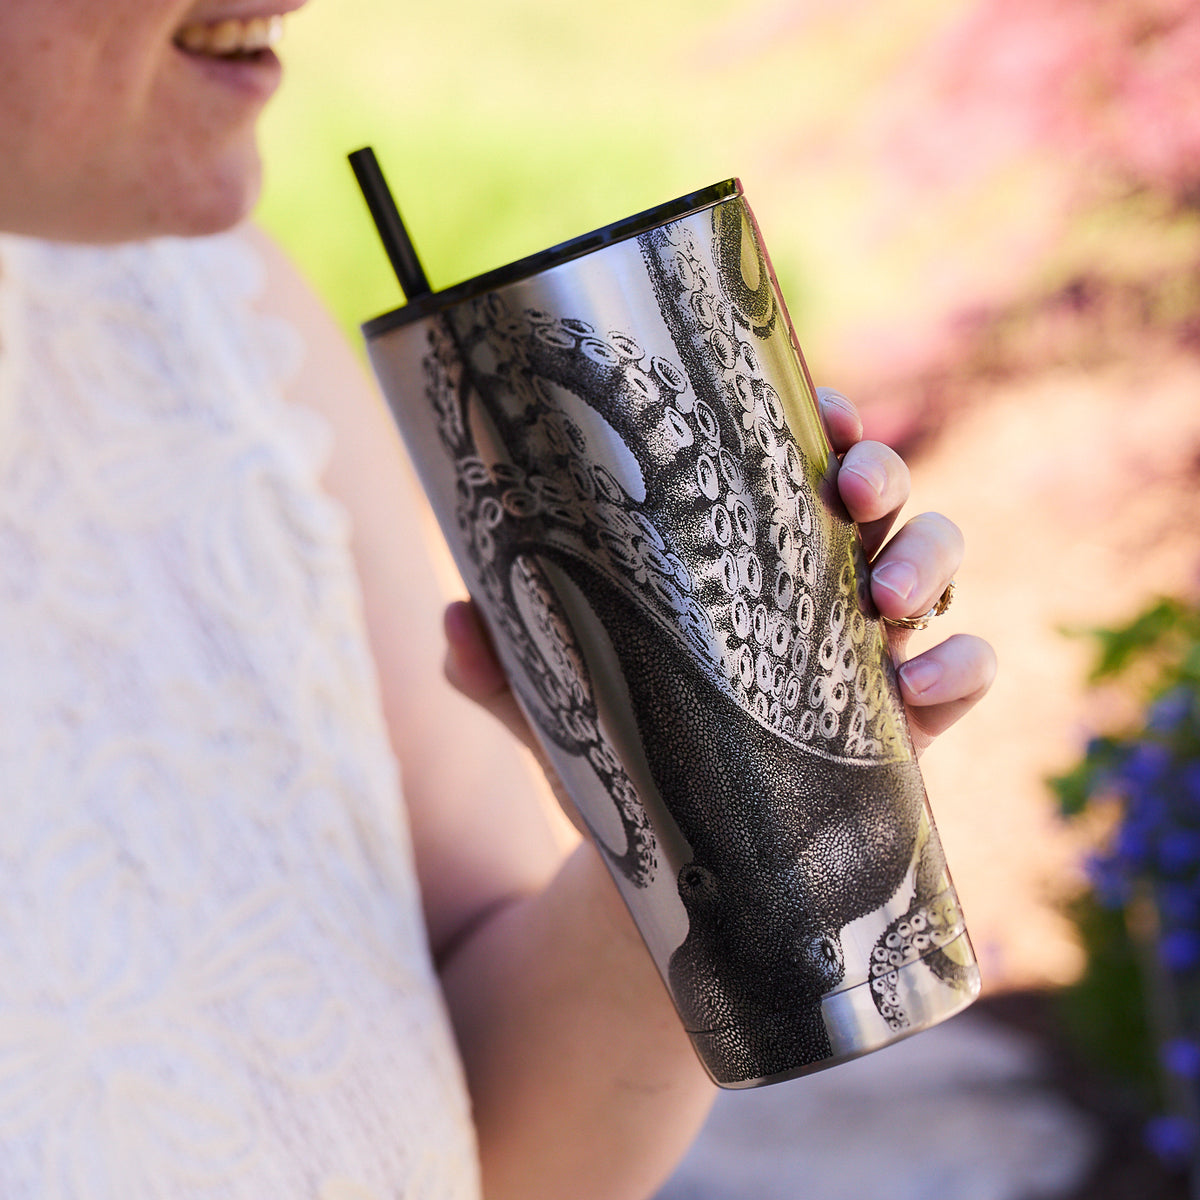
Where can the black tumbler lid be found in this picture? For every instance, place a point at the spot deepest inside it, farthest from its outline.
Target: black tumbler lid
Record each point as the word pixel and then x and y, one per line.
pixel 534 264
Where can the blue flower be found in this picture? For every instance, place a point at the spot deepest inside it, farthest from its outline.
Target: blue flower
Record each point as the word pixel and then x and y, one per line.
pixel 1189 776
pixel 1149 809
pixel 1179 850
pixel 1108 880
pixel 1170 710
pixel 1179 902
pixel 1181 1056
pixel 1144 766
pixel 1180 949
pixel 1132 846
pixel 1171 1139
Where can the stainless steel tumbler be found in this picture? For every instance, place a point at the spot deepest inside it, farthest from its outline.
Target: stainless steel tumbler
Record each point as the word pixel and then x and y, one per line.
pixel 621 443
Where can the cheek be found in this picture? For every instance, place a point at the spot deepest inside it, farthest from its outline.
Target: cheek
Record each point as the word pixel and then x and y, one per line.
pixel 104 133
pixel 55 140
pixel 196 150
pixel 141 170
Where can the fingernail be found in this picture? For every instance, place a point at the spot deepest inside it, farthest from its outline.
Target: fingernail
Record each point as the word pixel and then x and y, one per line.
pixel 871 473
pixel 900 578
pixel 836 400
pixel 920 674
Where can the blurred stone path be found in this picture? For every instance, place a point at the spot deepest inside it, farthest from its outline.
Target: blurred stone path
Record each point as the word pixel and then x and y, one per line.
pixel 961 1112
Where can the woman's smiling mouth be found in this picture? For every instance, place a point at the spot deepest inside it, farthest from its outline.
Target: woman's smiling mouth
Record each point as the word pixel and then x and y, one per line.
pixel 231 37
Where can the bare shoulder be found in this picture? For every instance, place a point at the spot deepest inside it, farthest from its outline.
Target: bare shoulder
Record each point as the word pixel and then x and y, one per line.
pixel 368 472
pixel 333 379
pixel 477 814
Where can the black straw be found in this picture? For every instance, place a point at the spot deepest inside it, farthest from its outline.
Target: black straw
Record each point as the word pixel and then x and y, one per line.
pixel 387 220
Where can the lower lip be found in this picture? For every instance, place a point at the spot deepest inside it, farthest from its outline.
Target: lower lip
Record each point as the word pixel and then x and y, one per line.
pixel 255 77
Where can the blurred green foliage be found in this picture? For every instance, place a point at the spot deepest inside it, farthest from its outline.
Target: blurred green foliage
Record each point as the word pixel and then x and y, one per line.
pixel 938 181
pixel 1136 1009
pixel 506 128
pixel 1105 1012
pixel 1155 653
pixel 502 129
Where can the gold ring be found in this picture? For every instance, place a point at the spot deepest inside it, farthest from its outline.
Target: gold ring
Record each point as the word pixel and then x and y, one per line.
pixel 922 622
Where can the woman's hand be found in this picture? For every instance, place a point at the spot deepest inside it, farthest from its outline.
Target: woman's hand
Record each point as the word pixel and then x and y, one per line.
pixel 908 574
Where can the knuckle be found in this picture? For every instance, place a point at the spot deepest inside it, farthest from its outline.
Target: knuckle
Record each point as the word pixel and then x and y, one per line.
pixel 938 528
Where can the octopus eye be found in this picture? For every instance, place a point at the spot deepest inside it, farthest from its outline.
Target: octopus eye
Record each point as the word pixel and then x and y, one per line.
pixel 822 955
pixel 696 881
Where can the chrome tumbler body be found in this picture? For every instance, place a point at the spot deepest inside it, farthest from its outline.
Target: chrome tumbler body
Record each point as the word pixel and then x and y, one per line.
pixel 621 443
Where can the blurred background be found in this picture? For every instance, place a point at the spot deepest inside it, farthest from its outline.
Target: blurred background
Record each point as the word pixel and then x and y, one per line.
pixel 985 216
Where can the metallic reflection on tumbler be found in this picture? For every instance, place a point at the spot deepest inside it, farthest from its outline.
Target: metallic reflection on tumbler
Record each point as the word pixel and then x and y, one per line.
pixel 624 453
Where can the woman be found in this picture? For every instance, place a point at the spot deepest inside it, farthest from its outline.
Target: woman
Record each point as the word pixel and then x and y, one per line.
pixel 221 979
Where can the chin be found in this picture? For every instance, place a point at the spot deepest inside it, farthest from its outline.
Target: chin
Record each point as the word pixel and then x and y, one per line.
pixel 194 203
pixel 189 191
pixel 209 205
pixel 203 220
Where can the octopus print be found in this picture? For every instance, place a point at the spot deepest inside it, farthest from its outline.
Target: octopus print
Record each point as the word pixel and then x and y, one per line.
pixel 669 489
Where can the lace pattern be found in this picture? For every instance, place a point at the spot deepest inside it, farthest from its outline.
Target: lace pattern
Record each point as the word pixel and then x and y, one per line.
pixel 215 979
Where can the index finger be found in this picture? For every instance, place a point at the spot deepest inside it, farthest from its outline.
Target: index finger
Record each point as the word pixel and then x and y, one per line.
pixel 842 423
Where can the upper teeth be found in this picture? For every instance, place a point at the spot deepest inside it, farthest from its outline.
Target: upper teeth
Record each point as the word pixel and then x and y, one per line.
pixel 231 36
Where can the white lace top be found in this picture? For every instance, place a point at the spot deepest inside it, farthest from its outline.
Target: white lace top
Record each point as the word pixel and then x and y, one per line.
pixel 214 980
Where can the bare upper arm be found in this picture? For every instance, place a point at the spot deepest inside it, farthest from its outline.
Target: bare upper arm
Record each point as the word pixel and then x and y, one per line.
pixel 479 826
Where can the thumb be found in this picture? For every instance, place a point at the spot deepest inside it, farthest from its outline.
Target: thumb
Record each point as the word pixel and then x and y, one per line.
pixel 472 669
